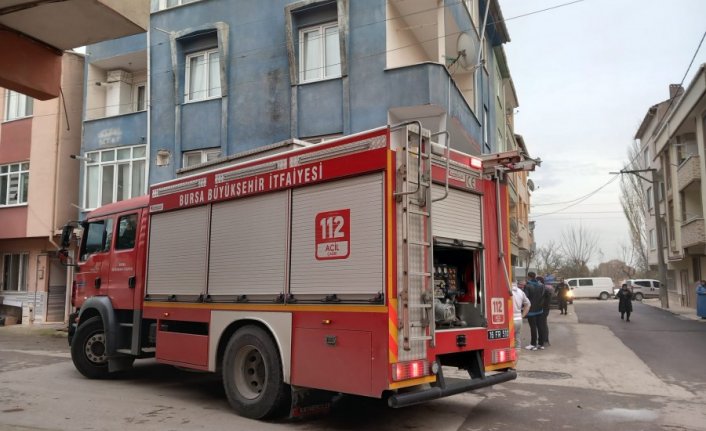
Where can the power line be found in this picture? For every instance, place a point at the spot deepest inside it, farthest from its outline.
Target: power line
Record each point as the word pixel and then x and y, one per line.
pixel 583 198
pixel 671 100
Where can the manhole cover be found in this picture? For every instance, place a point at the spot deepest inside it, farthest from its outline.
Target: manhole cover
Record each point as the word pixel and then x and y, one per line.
pixel 547 375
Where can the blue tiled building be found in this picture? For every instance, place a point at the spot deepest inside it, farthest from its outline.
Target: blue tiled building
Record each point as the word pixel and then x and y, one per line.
pixel 213 78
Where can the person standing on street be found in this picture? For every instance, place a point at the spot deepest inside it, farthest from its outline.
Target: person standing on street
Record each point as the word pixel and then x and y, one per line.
pixel 520 308
pixel 535 293
pixel 624 302
pixel 562 293
pixel 548 291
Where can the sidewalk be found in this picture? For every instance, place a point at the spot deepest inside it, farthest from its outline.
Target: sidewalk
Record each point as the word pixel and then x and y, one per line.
pixel 52 329
pixel 676 309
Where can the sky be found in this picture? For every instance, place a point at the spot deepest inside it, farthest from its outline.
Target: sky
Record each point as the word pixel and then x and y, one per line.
pixel 585 75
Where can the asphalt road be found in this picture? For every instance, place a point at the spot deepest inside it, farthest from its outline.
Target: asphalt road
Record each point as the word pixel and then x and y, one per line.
pixel 593 377
pixel 672 346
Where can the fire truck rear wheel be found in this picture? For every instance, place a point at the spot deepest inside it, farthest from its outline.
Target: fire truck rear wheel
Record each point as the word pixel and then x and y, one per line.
pixel 88 349
pixel 252 375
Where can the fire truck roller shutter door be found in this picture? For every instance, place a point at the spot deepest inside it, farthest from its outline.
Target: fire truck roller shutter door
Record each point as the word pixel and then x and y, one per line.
pixel 356 266
pixel 178 252
pixel 458 216
pixel 248 246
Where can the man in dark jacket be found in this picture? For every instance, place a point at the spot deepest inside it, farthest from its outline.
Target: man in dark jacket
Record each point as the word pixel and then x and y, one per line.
pixel 537 295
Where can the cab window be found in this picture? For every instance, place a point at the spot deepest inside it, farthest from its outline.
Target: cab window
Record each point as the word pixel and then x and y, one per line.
pixel 127 229
pixel 572 283
pixel 98 235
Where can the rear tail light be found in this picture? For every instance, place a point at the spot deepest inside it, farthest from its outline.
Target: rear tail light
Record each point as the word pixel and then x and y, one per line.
pixel 499 356
pixel 410 370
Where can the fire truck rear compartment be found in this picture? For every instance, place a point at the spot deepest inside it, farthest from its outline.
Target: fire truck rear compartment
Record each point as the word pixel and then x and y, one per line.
pixel 458 288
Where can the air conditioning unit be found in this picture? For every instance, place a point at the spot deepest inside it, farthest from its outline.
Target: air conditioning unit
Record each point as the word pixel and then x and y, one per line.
pixel 119 75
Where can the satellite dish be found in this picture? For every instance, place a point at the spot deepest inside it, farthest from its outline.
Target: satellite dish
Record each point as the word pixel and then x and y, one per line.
pixel 467 51
pixel 530 184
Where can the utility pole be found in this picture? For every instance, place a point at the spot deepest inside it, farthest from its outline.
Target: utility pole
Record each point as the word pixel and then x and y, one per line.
pixel 661 265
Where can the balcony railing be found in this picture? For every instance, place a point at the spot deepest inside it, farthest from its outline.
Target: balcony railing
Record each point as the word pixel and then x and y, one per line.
pixel 688 172
pixel 692 233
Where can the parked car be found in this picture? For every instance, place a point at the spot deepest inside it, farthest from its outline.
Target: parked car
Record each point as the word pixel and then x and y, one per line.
pixel 642 288
pixel 591 287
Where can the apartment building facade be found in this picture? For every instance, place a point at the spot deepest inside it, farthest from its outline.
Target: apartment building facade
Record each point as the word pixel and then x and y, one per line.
pixel 672 142
pixel 223 77
pixel 38 194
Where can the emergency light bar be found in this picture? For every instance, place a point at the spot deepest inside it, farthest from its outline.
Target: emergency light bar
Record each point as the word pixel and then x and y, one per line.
pixel 246 172
pixel 355 147
pixel 179 187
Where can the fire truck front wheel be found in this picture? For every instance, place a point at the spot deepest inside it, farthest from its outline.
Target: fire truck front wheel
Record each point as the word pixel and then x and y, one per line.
pixel 88 350
pixel 252 375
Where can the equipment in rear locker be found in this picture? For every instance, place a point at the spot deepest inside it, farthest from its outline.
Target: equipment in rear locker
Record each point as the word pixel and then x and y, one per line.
pixel 447 287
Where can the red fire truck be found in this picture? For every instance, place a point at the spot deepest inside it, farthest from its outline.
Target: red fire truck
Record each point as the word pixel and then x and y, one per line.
pixel 363 265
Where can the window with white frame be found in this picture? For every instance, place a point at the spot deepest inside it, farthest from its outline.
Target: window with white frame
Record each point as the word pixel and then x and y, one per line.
pixel 193 158
pixel 166 4
pixel 114 175
pixel 472 11
pixel 14 272
pixel 140 97
pixel 203 76
pixel 319 52
pixel 17 105
pixel 14 183
pixel 653 239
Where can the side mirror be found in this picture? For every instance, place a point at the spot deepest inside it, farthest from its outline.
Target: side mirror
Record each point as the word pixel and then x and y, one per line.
pixel 66 232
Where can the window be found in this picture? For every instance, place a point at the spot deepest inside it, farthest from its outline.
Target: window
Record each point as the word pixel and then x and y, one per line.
pixel 166 4
pixel 473 12
pixel 17 105
pixel 127 231
pixel 193 158
pixel 696 267
pixel 585 282
pixel 140 97
pixel 653 239
pixel 14 183
pixel 649 198
pixel 114 175
pixel 14 272
pixel 97 238
pixel 203 76
pixel 319 53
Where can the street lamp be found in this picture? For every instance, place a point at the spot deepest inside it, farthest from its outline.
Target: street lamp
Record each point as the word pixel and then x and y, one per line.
pixel 661 265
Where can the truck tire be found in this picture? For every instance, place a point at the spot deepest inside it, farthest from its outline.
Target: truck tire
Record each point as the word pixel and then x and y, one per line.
pixel 88 351
pixel 252 375
pixel 604 296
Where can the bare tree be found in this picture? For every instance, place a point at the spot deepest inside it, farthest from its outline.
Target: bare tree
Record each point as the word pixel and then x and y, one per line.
pixel 633 199
pixel 629 256
pixel 548 258
pixel 578 246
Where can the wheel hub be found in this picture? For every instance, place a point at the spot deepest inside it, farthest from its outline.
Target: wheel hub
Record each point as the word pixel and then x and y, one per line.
pixel 95 348
pixel 250 372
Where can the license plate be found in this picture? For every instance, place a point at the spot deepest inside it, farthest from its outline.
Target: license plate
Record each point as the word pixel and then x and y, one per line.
pixel 498 334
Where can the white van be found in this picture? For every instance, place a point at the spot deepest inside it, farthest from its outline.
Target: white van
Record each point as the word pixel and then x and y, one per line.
pixel 643 288
pixel 591 287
